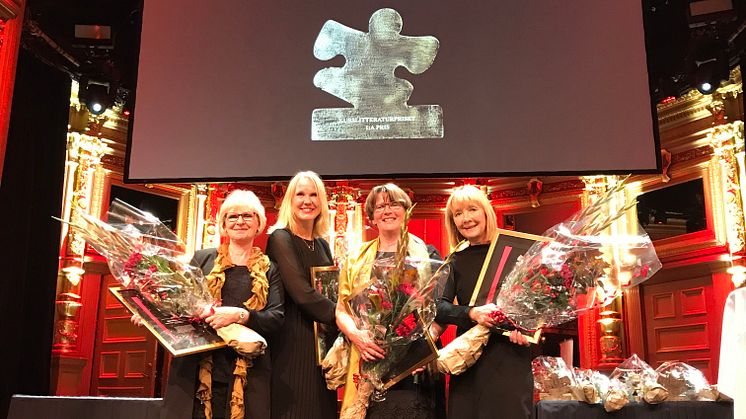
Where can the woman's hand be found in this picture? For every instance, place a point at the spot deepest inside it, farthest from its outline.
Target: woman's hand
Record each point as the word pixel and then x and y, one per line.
pixel 436 330
pixel 484 315
pixel 364 343
pixel 136 320
pixel 223 316
pixel 518 338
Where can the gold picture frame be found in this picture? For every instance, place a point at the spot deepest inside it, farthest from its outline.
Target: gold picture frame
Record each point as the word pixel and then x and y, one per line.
pixel 502 256
pixel 422 350
pixel 179 336
pixel 325 280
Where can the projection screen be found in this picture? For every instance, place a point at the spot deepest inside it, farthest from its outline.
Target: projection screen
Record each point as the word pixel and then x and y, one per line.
pixel 254 89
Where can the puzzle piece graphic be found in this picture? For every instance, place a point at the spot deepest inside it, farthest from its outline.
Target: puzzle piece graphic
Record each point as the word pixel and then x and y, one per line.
pixel 367 81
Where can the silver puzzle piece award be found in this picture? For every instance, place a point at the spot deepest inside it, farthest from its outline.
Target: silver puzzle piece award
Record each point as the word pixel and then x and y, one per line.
pixel 367 81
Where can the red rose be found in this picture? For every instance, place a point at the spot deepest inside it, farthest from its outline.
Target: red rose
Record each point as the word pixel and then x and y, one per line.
pixel 407 289
pixel 406 326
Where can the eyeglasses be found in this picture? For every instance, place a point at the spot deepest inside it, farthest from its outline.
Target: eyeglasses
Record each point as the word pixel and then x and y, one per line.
pixel 393 205
pixel 233 218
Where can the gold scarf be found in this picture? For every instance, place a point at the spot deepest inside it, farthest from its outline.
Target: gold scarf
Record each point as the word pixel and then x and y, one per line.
pixel 258 266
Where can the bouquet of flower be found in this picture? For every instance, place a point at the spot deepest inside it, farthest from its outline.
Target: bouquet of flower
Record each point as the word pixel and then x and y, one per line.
pixel 581 267
pixel 396 309
pixel 143 254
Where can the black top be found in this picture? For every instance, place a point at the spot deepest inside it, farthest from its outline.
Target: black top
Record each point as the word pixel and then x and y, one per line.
pixel 500 383
pixel 298 384
pixel 182 382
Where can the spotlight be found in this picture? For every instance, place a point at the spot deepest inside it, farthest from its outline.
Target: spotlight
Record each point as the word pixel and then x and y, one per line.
pixel 709 74
pixel 95 96
pixel 710 64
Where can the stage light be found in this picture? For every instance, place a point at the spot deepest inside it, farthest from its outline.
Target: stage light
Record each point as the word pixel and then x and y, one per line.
pixel 705 88
pixel 708 75
pixel 95 96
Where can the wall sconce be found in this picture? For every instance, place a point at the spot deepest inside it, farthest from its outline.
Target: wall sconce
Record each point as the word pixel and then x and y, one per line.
pixel 66 329
pixel 610 325
pixel 73 274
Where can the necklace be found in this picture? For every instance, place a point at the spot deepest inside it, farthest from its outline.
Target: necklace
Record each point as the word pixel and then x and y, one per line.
pixel 310 244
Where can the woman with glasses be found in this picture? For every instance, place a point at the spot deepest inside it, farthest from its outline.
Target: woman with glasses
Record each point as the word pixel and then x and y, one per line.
pixel 295 245
pixel 385 207
pixel 500 383
pixel 250 293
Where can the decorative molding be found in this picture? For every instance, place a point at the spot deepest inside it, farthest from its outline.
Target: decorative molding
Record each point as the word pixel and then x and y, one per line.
pixel 112 160
pixel 692 105
pixel 725 140
pixel 691 154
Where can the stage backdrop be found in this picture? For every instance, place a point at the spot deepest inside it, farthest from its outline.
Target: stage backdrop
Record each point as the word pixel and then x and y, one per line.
pixel 227 90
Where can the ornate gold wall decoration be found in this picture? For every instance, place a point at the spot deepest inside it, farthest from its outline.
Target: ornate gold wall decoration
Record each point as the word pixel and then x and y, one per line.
pixel 727 144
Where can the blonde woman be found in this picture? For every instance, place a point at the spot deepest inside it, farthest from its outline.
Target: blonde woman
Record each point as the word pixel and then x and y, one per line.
pixel 295 245
pixel 500 383
pixel 249 288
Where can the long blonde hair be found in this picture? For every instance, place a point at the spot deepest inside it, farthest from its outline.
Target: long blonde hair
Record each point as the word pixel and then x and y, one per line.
pixel 461 195
pixel 285 218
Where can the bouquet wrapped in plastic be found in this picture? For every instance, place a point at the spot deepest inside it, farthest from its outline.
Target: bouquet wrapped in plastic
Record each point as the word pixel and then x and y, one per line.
pixel 397 307
pixel 639 380
pixel 145 256
pixel 591 385
pixel 684 382
pixel 553 379
pixel 616 397
pixel 583 266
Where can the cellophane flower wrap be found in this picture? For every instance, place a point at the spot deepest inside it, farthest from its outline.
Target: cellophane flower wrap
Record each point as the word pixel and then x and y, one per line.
pixel 142 253
pixel 553 379
pixel 685 382
pixel 397 307
pixel 586 263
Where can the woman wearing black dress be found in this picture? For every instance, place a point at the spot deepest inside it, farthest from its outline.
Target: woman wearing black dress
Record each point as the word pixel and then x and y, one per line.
pixel 295 245
pixel 500 384
pixel 249 288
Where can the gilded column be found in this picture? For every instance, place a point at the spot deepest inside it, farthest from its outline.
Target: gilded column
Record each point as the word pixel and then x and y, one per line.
pixel 82 175
pixel 601 331
pixel 727 161
pixel 346 221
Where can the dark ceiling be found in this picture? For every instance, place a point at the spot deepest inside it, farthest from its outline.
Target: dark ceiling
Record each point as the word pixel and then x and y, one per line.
pixel 676 41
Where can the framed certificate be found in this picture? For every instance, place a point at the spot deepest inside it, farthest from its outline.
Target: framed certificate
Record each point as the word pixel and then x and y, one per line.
pixel 502 256
pixel 325 280
pixel 180 336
